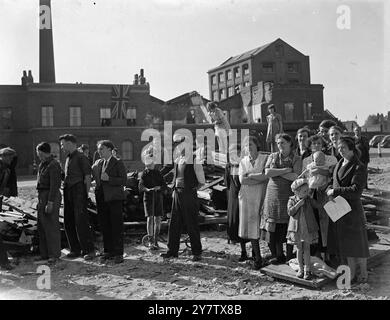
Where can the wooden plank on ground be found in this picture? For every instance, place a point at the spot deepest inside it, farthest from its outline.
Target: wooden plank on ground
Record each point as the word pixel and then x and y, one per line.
pixel 385 229
pixel 377 252
pixel 284 272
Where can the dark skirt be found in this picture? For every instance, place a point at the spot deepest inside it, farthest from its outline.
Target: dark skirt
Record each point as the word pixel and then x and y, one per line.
pixel 232 210
pixel 279 235
pixel 153 204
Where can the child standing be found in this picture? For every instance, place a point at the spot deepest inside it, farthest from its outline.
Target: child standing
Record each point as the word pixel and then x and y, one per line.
pixel 302 227
pixel 152 184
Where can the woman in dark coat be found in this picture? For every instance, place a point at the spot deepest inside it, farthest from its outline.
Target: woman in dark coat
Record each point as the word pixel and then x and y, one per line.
pixel 347 237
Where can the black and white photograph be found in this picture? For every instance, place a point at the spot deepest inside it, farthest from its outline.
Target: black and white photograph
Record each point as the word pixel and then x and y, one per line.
pixel 177 151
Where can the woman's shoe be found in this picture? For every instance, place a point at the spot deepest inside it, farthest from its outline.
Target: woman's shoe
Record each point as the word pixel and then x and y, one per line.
pixel 281 259
pixel 362 279
pixel 300 274
pixel 52 261
pixel 257 265
pixel 307 275
pixel 243 257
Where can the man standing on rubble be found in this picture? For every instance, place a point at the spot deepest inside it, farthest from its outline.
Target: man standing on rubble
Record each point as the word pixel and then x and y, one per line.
pixel 49 201
pixel 6 157
pixel 77 182
pixel 188 176
pixel 110 176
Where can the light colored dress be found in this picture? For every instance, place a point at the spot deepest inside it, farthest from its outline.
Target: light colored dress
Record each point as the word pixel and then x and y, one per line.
pixel 251 199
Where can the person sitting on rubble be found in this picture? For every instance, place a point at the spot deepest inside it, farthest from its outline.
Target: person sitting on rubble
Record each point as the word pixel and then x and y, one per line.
pixel 6 157
pixel 49 201
pixel 302 228
pixel 152 184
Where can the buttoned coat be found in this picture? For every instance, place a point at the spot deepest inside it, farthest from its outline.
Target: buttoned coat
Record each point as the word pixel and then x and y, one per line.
pixel 347 236
pixel 113 189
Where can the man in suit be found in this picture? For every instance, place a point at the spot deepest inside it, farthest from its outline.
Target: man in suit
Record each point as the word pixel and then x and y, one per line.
pixel 188 176
pixel 110 175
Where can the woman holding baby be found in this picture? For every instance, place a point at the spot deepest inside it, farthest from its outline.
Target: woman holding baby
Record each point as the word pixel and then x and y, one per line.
pixel 320 167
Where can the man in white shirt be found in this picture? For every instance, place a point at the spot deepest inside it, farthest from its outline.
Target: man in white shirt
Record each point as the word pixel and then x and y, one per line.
pixel 188 177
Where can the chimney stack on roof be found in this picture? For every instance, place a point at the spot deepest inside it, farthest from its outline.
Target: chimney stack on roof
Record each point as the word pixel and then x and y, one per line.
pixel 30 78
pixel 142 79
pixel 135 79
pixel 24 78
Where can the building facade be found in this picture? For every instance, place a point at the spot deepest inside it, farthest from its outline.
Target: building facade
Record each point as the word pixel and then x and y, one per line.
pixel 274 73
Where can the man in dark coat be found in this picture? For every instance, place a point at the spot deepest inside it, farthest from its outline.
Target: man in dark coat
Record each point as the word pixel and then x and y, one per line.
pixel 188 176
pixel 49 196
pixel 110 175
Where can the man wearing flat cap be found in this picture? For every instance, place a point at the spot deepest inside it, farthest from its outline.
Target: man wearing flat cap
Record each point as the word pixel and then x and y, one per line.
pixel 6 157
pixel 188 177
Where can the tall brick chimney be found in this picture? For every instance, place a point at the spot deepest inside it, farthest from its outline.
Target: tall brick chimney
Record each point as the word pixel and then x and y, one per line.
pixel 46 51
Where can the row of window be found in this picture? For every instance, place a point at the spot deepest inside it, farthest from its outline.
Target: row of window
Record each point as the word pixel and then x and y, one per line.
pixel 126 151
pixel 231 91
pixel 47 116
pixel 228 75
pixel 267 67
pixel 289 111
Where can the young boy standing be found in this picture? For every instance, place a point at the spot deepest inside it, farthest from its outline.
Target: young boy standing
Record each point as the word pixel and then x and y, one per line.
pixel 152 184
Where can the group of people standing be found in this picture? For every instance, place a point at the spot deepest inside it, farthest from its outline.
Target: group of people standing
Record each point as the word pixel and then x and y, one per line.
pixel 280 198
pixel 110 176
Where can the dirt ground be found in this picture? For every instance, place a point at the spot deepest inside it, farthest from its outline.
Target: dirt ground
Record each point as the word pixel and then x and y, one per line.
pixel 146 276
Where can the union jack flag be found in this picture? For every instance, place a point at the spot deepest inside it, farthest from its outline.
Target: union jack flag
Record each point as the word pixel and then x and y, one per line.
pixel 119 101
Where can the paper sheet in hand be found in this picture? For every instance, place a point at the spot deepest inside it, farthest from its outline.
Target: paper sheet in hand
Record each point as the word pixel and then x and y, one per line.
pixel 337 208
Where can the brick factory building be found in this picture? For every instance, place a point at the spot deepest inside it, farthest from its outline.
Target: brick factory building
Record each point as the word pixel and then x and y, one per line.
pixel 33 112
pixel 273 73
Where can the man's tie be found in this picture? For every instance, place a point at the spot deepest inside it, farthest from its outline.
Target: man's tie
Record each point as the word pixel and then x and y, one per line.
pixel 104 166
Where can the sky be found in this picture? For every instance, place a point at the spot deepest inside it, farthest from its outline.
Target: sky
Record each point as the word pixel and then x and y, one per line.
pixel 177 41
